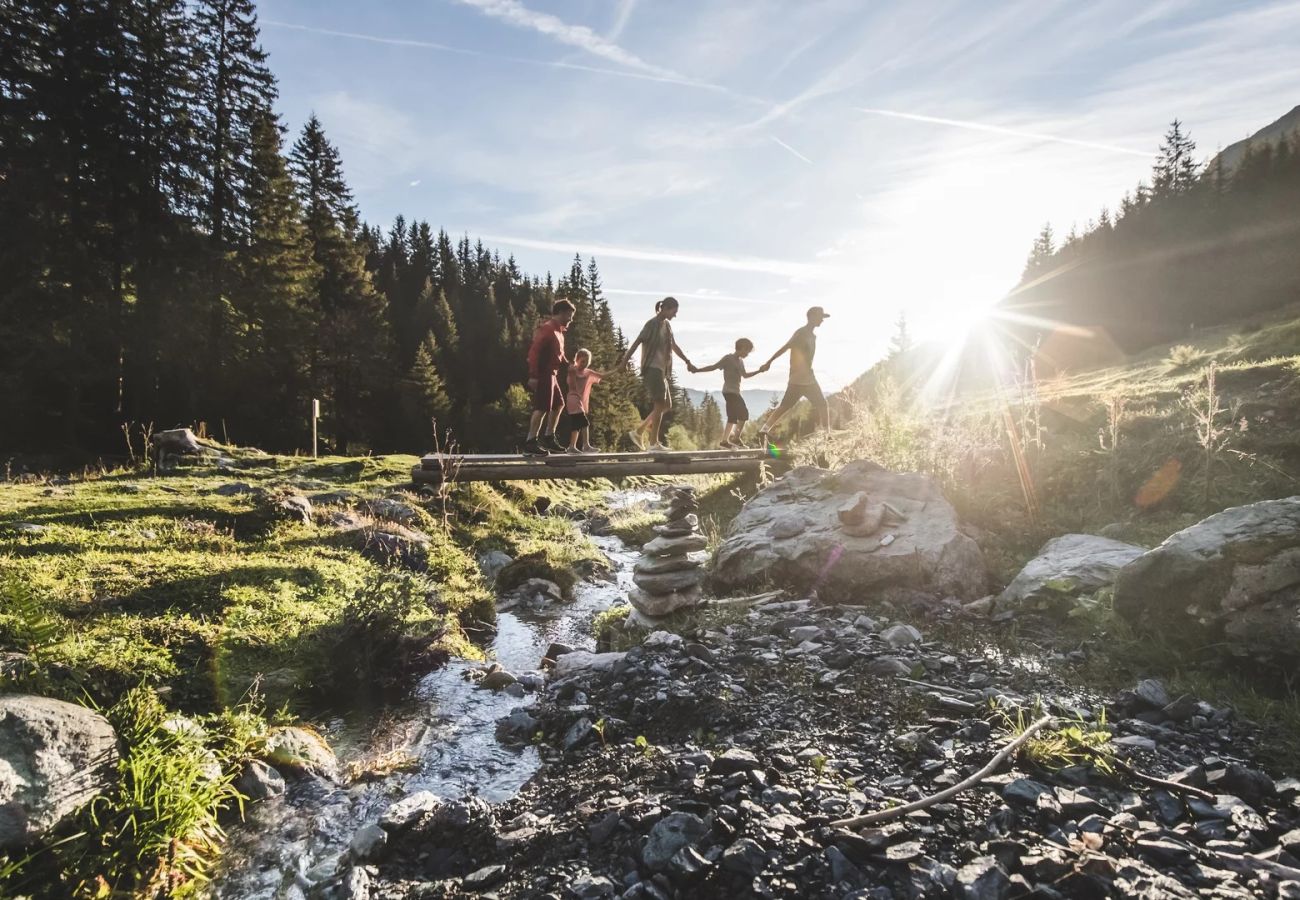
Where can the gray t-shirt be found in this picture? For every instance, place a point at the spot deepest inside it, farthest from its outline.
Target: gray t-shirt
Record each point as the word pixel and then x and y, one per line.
pixel 657 345
pixel 733 369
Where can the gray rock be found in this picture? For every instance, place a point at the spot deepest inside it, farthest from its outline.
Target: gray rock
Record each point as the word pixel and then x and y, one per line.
pixel 790 525
pixel 177 440
pixel 410 809
pixel 900 636
pixel 669 582
pixel 593 887
pixel 368 843
pixel 1152 692
pixel 888 666
pixel 538 592
pixel 745 856
pixel 294 509
pixel 656 605
pixel 1066 567
pixel 803 633
pixel 579 733
pixel 395 545
pixel 929 552
pixel 983 878
pixel 658 639
pixel 492 562
pixel 735 760
pixel 518 727
pixel 675 546
pixel 657 565
pixel 28 528
pixel 1025 790
pixel 392 511
pixel 259 781
pixel 1234 575
pixel 670 834
pixel 300 750
pixel 496 680
pixel 585 661
pixel 54 758
pixel 481 879
pixel 234 489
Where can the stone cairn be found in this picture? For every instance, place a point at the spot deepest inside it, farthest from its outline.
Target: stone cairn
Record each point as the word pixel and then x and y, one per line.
pixel 669 573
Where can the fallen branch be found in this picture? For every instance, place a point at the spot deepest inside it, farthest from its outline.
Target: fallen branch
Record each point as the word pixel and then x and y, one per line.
pixel 998 759
pixel 959 693
pixel 1253 865
pixel 1153 781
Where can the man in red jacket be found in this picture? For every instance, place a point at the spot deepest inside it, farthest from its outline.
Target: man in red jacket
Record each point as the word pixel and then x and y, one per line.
pixel 545 357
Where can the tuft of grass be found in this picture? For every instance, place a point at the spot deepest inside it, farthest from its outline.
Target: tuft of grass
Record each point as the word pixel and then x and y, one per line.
pixel 1184 356
pixel 1072 744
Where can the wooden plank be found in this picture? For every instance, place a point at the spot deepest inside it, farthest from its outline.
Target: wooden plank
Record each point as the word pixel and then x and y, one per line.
pixel 605 465
pixel 438 461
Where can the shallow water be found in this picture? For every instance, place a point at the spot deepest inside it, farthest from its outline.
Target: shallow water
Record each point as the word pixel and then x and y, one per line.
pixel 446 730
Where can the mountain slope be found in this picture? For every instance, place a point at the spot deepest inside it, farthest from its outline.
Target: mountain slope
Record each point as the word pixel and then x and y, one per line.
pixel 1273 133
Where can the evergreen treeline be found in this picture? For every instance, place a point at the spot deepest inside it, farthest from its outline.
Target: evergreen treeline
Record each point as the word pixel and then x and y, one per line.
pixel 165 258
pixel 1197 245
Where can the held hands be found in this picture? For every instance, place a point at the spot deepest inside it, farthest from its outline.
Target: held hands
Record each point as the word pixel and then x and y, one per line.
pixel 765 367
pixel 690 367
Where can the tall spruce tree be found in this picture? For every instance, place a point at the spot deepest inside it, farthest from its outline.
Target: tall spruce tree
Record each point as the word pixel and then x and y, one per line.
pixel 351 360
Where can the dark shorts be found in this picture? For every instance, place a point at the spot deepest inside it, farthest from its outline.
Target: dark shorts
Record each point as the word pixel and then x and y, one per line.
pixel 794 392
pixel 737 411
pixel 656 385
pixel 578 421
pixel 547 396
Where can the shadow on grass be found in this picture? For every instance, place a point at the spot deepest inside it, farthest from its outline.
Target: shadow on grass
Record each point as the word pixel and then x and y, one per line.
pixel 200 594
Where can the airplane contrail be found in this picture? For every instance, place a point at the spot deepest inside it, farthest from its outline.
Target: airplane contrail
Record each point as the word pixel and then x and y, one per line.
pixel 998 129
pixel 467 51
pixel 784 145
pixel 653 254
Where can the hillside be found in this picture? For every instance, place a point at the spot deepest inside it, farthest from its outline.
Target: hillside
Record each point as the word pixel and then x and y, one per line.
pixel 1274 134
pixel 1191 248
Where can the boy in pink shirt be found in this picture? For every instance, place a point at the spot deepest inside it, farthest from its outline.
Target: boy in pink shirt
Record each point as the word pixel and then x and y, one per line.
pixel 577 401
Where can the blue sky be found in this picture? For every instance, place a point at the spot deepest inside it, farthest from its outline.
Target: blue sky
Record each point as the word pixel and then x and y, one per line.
pixel 755 157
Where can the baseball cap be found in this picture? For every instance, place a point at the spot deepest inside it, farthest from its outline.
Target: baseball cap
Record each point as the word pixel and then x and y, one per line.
pixel 819 311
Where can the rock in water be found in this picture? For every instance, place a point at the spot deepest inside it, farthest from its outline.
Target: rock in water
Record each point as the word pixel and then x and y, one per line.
pixel 929 553
pixel 260 782
pixel 1067 566
pixel 655 605
pixel 300 750
pixel 675 546
pixel 54 758
pixel 1235 575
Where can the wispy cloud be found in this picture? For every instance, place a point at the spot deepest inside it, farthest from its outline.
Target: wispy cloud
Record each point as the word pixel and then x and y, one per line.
pixel 782 144
pixel 515 13
pixel 998 129
pixel 757 264
pixel 666 78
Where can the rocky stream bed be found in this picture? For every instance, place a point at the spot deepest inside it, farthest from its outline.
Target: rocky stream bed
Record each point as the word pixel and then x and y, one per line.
pixel 722 762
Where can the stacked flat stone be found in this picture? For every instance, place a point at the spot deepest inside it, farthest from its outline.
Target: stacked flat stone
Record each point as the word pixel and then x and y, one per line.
pixel 669 573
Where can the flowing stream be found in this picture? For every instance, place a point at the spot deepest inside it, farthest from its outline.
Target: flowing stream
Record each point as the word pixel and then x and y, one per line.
pixel 446 731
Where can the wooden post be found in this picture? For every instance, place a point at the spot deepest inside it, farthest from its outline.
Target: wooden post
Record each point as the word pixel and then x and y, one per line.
pixel 315 414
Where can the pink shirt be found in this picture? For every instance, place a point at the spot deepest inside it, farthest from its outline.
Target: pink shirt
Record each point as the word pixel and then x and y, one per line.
pixel 580 382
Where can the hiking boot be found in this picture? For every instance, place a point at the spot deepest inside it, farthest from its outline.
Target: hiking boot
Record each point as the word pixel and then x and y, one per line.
pixel 658 448
pixel 635 437
pixel 533 448
pixel 549 442
pixel 573 450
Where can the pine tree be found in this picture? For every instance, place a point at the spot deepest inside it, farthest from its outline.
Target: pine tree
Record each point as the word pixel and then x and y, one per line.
pixel 352 356
pixel 423 398
pixel 1176 169
pixel 275 304
pixel 1040 255
pixel 901 342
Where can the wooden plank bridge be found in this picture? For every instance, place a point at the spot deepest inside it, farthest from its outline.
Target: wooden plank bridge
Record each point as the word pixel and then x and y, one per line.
pixel 439 467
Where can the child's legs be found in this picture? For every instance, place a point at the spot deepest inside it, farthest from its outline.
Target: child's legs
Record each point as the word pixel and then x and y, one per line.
pixel 657 414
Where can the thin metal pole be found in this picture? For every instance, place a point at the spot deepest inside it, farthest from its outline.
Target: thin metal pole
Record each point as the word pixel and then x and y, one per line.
pixel 315 414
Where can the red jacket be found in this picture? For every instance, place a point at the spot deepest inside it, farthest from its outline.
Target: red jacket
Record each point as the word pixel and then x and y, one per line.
pixel 546 355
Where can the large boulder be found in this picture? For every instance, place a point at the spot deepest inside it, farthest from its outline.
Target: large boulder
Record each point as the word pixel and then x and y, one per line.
pixel 791 534
pixel 1233 576
pixel 54 758
pixel 1065 568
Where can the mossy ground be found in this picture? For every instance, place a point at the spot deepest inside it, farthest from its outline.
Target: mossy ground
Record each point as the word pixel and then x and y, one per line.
pixel 162 581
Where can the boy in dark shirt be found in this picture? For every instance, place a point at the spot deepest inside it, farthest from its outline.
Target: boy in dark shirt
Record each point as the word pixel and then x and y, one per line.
pixel 733 369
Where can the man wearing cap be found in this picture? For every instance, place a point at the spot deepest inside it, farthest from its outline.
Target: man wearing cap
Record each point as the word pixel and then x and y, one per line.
pixel 803 383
